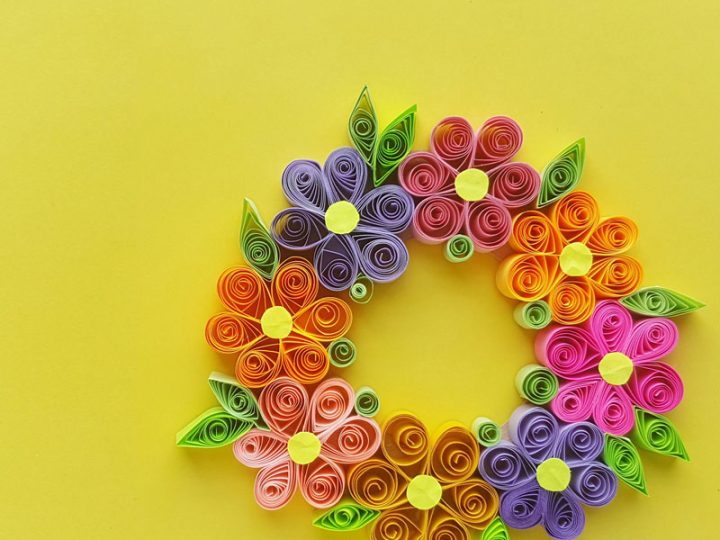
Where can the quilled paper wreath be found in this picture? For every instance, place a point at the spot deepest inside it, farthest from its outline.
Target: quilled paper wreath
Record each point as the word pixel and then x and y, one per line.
pixel 596 396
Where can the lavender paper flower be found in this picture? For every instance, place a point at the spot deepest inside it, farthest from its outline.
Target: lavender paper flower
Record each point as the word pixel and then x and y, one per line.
pixel 350 230
pixel 546 470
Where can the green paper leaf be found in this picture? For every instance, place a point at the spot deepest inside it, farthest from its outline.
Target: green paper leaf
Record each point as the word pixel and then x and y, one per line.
pixel 657 434
pixel 660 302
pixel 497 530
pixel 342 352
pixel 459 248
pixel 536 384
pixel 394 144
pixel 346 517
pixel 212 429
pixel 367 402
pixel 562 174
pixel 362 290
pixel 487 432
pixel 234 398
pixel 621 456
pixel 363 126
pixel 258 247
pixel 533 315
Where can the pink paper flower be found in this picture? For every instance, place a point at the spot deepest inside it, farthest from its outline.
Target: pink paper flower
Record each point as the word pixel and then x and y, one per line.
pixel 309 442
pixel 610 365
pixel 467 185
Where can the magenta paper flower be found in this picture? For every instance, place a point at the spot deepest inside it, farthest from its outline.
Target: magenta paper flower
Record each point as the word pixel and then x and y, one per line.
pixel 609 365
pixel 309 442
pixel 466 183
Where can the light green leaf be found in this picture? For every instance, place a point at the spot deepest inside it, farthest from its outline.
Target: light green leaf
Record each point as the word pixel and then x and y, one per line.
pixel 346 517
pixel 395 143
pixel 657 434
pixel 363 126
pixel 660 302
pixel 256 243
pixel 562 174
pixel 497 530
pixel 234 398
pixel 621 456
pixel 212 429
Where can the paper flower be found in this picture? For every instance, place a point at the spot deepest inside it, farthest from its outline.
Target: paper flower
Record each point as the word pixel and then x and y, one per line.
pixel 466 183
pixel 309 442
pixel 351 230
pixel 571 258
pixel 609 365
pixel 545 471
pixel 424 492
pixel 276 328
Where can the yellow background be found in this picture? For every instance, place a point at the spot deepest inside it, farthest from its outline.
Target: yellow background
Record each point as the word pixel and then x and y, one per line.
pixel 131 131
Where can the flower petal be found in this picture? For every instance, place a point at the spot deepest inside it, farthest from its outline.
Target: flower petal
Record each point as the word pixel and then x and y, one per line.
pixel 656 387
pixel 453 140
pixel 611 325
pixel 615 276
pixel 576 215
pixel 454 456
pixel 345 175
pixel 243 291
pixel 652 339
pixel 572 301
pixel 259 448
pixel 437 219
pixel 276 484
pixel 295 284
pixel 377 484
pixel 405 444
pixel 337 262
pixel 423 174
pixel 488 224
pixel 613 411
pixel 570 352
pixel 505 466
pixel 613 236
pixel 576 399
pixel 442 525
pixel 473 501
pixel 388 208
pixel 515 184
pixel 331 403
pixel 298 229
pixel 595 484
pixel 404 523
pixel 304 359
pixel 284 404
pixel 259 363
pixel 324 320
pixel 523 507
pixel 497 141
pixel 322 482
pixel 580 442
pixel 383 256
pixel 231 332
pixel 528 277
pixel 354 440
pixel 302 184
pixel 534 233
pixel 535 431
pixel 564 517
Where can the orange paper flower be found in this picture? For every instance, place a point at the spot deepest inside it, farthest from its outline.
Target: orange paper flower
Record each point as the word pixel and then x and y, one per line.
pixel 424 492
pixel 571 257
pixel 276 328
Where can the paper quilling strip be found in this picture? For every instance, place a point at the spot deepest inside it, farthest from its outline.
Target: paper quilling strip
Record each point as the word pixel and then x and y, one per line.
pixel 276 328
pixel 601 345
pixel 546 471
pixel 467 186
pixel 570 258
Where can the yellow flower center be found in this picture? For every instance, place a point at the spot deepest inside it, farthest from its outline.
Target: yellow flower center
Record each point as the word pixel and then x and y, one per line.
pixel 276 322
pixel 424 492
pixel 472 184
pixel 576 259
pixel 304 447
pixel 342 217
pixel 615 368
pixel 553 475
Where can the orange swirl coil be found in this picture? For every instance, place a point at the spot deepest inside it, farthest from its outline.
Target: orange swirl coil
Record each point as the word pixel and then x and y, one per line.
pixel 614 277
pixel 230 332
pixel 406 443
pixel 295 284
pixel 455 455
pixel 326 319
pixel 613 236
pixel 243 291
pixel 376 484
pixel 304 360
pixel 258 365
pixel 528 277
pixel 534 233
pixel 572 301
pixel 576 215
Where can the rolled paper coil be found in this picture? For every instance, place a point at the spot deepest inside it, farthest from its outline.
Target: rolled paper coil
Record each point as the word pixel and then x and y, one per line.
pixel 367 402
pixel 533 315
pixel 536 384
pixel 342 352
pixel 459 248
pixel 362 290
pixel 487 432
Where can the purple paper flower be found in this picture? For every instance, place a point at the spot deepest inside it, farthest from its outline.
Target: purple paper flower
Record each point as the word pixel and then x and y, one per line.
pixel 350 231
pixel 546 470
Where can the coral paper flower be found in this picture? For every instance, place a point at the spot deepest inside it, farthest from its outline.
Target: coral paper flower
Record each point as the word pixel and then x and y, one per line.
pixel 423 492
pixel 609 365
pixel 349 230
pixel 309 442
pixel 467 184
pixel 276 328
pixel 571 257
pixel 545 471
